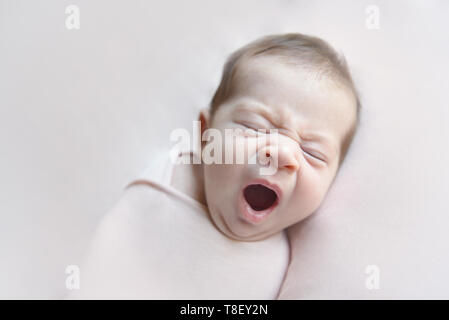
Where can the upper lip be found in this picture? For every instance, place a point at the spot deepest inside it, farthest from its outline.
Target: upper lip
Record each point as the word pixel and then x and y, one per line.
pixel 273 186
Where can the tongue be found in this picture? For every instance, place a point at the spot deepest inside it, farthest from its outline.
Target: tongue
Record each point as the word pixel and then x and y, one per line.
pixel 259 197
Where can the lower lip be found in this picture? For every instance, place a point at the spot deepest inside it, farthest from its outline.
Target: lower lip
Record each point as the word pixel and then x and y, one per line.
pixel 251 215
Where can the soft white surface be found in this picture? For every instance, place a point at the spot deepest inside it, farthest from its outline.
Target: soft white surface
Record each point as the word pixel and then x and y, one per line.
pixel 79 110
pixel 154 245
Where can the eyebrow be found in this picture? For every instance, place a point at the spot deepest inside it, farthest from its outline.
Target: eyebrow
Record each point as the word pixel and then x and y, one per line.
pixel 263 109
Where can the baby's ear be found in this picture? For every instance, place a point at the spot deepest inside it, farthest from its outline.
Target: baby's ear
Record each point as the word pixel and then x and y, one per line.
pixel 204 119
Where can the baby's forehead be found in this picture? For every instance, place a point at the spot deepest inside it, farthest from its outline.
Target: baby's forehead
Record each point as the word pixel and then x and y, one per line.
pixel 294 95
pixel 277 71
pixel 280 84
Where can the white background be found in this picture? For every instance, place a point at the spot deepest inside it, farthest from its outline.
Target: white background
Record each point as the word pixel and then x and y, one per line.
pixel 82 110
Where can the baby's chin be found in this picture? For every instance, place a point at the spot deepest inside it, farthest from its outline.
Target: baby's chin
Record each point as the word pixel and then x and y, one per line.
pixel 238 229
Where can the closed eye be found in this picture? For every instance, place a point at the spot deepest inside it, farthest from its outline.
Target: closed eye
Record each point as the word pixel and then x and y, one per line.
pixel 313 154
pixel 252 129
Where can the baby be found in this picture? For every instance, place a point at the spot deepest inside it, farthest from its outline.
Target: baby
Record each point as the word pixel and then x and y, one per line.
pixel 217 230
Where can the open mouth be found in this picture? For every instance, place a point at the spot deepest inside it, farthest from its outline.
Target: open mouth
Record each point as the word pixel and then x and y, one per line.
pixel 260 197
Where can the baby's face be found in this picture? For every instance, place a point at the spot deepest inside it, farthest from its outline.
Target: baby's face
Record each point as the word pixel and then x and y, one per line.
pixel 312 117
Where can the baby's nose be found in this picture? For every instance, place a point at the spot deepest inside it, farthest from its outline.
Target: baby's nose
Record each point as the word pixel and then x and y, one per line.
pixel 282 156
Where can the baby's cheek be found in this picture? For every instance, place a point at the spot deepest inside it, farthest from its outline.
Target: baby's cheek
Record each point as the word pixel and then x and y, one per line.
pixel 239 149
pixel 221 181
pixel 311 191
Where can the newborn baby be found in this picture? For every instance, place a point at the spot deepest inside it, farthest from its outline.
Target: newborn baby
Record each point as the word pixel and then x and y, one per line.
pixel 216 230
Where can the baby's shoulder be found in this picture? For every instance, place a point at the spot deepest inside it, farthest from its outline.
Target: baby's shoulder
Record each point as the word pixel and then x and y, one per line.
pixel 162 248
pixel 144 209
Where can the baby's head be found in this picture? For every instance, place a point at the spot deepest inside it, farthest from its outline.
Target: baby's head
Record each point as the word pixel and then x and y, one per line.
pixel 300 86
